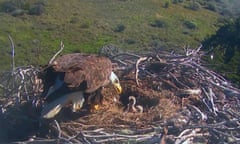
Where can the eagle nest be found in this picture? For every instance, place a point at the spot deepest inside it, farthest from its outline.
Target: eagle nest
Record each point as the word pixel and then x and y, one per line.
pixel 167 98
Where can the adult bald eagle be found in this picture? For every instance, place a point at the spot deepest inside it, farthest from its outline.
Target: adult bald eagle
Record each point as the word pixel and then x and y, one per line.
pixel 78 74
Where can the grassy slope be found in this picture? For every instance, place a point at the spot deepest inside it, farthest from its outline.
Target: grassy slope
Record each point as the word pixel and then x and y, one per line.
pixel 86 25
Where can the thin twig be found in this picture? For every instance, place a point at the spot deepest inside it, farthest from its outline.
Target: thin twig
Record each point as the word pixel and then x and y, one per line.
pixel 13 52
pixel 54 57
pixel 137 69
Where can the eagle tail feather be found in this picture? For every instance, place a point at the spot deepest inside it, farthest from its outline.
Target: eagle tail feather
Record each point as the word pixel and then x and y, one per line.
pixel 52 109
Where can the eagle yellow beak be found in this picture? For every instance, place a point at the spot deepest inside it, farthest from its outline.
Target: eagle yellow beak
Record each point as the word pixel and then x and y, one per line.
pixel 115 81
pixel 118 88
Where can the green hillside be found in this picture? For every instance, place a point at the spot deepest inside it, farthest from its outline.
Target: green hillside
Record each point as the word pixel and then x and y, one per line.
pixel 87 25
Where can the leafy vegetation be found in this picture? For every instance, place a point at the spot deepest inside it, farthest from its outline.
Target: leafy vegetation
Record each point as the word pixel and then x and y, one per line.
pixel 166 4
pixel 119 28
pixel 225 46
pixel 85 26
pixel 190 24
pixel 159 23
pixel 194 6
pixel 20 7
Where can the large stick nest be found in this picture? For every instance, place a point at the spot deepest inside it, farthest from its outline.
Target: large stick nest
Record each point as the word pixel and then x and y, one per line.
pixel 180 101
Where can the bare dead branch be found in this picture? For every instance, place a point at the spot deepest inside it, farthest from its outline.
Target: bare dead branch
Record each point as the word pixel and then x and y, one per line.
pixel 13 52
pixel 60 50
pixel 137 69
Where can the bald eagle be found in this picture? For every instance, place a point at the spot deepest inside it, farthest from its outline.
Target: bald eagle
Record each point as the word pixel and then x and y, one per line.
pixel 74 75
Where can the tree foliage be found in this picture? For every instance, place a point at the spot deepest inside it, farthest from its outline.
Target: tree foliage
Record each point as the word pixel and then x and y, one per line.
pixel 226 44
pixel 227 38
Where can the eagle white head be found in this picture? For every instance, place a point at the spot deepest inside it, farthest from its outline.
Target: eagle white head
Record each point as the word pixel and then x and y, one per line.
pixel 116 83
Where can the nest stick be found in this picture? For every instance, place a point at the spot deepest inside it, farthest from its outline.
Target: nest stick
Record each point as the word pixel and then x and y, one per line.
pixel 13 52
pixel 54 57
pixel 137 69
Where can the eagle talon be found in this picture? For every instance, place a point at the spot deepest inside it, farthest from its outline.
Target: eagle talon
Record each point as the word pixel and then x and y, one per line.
pixel 96 107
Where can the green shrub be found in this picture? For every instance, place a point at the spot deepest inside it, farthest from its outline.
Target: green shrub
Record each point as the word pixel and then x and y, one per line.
pixel 159 23
pixel 36 9
pixel 74 20
pixel 177 1
pixel 166 4
pixel 211 6
pixel 194 6
pixel 86 24
pixel 12 5
pixel 130 41
pixel 20 7
pixel 190 24
pixel 119 28
pixel 8 7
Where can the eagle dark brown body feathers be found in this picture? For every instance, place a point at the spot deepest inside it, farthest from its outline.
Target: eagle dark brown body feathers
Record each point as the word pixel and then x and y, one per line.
pixel 79 69
pixel 71 76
